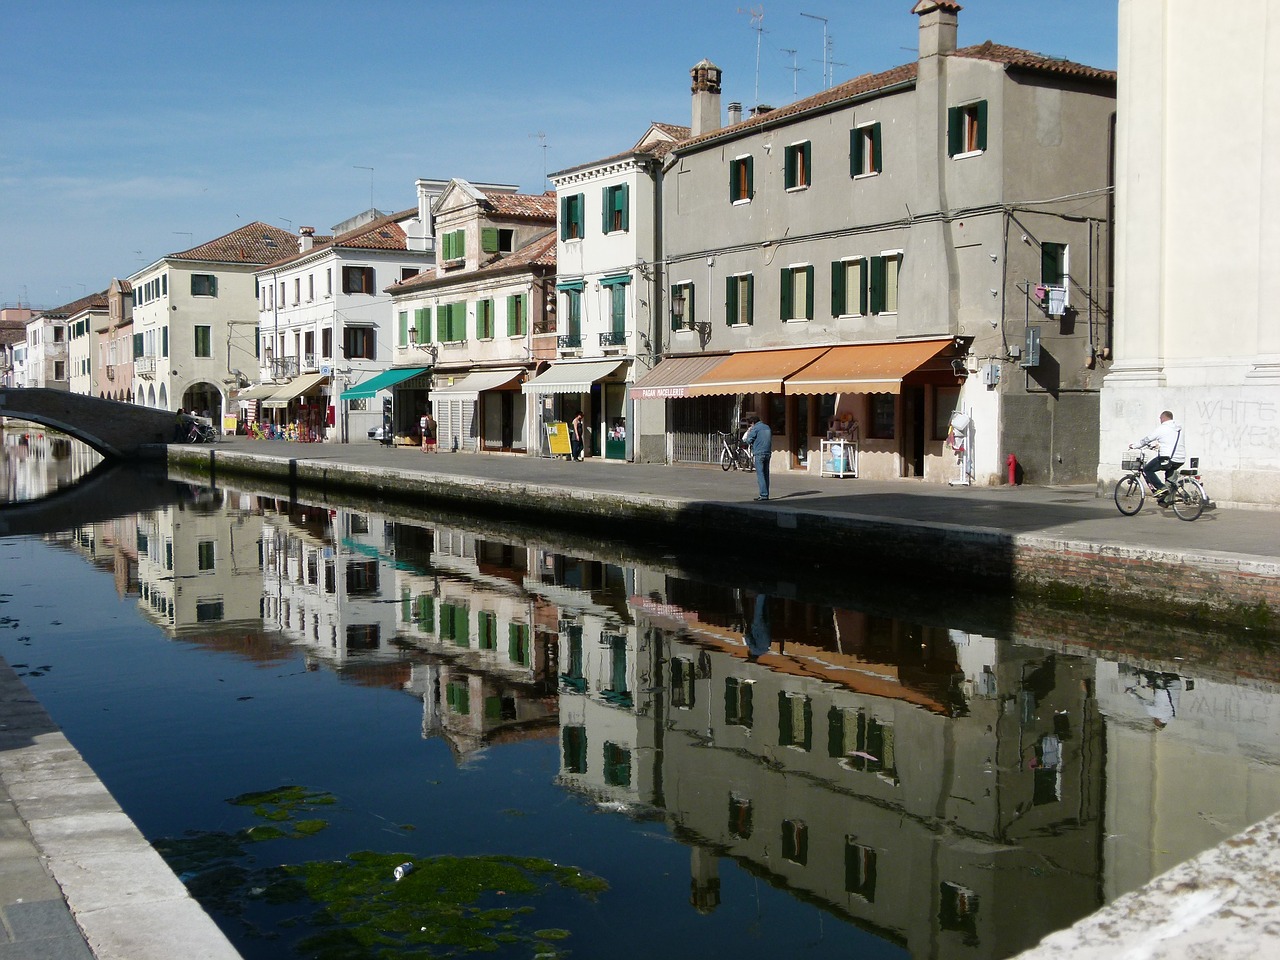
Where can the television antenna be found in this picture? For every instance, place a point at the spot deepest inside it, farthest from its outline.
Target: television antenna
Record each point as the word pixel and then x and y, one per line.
pixel 542 142
pixel 756 14
pixel 826 46
pixel 795 71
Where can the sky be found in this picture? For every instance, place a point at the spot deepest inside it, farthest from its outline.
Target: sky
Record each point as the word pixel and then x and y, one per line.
pixel 134 129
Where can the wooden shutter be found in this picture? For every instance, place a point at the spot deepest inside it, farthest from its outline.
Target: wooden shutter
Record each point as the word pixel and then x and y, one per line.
pixel 564 217
pixel 877 284
pixel 955 131
pixel 624 205
pixel 137 345
pixel 855 152
pixel 404 328
pixel 751 298
pixel 489 239
pixel 751 185
pixel 808 291
pixel 368 279
pixel 730 301
pixel 784 306
pixel 442 320
pixel 806 152
pixel 835 733
pixel 837 288
pixel 981 115
pixel 876 161
pixel 862 287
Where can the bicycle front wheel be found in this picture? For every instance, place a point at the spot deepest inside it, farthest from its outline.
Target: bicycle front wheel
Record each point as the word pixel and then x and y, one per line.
pixel 1129 495
pixel 727 460
pixel 1188 499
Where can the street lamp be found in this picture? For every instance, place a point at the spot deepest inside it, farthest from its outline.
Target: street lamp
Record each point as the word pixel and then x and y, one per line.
pixel 677 308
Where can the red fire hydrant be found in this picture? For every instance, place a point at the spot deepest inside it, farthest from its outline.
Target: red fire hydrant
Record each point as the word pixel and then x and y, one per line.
pixel 1012 463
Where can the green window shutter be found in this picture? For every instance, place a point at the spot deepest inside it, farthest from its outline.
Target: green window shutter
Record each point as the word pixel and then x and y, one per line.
pixel 835 733
pixel 955 130
pixel 855 152
pixel 877 284
pixel 784 307
pixel 733 180
pixel 404 328
pixel 751 298
pixel 489 239
pixel 441 316
pixel 512 307
pixel 730 300
pixel 808 289
pixel 862 287
pixel 607 200
pixel 751 183
pixel 877 163
pixel 789 168
pixel 807 150
pixel 564 218
pixel 164 341
pixel 837 288
pixel 137 345
pixel 624 204
pixel 213 280
pixel 671 297
pixel 982 124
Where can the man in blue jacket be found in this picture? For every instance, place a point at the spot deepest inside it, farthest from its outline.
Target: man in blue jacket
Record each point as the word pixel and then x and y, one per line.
pixel 760 439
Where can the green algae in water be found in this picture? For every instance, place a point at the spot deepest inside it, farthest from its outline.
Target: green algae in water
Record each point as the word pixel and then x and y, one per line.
pixel 446 906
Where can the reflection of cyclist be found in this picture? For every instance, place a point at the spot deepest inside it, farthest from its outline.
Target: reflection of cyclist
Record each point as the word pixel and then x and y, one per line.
pixel 1163 700
pixel 1169 457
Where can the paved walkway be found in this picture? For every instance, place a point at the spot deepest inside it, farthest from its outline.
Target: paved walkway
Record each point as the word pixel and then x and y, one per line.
pixel 1070 513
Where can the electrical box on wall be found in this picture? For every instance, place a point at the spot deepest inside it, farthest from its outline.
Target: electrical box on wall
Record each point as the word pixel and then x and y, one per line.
pixel 990 374
pixel 1031 355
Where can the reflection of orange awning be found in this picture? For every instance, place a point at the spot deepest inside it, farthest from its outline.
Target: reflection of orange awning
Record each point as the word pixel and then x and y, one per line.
pixel 871 367
pixel 755 371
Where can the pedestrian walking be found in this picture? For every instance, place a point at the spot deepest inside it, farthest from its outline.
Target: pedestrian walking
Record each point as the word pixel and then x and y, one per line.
pixel 427 427
pixel 760 439
pixel 577 430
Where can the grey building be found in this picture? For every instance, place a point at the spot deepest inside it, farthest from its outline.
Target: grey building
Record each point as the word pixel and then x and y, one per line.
pixel 913 264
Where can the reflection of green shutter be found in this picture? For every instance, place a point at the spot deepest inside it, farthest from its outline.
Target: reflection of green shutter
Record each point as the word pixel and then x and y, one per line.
pixel 489 239
pixel 982 125
pixel 784 720
pixel 808 724
pixel 955 128
pixel 808 292
pixel 837 288
pixel 835 733
pixel 730 300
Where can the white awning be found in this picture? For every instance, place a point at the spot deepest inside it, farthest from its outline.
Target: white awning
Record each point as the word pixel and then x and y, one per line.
pixel 474 384
pixel 572 377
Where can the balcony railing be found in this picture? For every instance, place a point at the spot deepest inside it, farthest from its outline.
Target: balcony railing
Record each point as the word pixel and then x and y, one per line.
pixel 309 363
pixel 569 341
pixel 284 368
pixel 144 366
pixel 614 338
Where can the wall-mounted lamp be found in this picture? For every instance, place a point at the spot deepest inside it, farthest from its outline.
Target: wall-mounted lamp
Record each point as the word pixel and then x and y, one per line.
pixel 429 348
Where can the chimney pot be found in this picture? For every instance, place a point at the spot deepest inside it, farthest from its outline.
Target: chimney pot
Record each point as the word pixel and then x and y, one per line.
pixel 706 97
pixel 735 113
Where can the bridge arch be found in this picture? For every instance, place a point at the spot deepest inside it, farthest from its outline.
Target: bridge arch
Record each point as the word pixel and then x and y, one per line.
pixel 116 430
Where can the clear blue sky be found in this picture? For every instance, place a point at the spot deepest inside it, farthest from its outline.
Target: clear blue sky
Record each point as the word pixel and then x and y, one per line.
pixel 133 129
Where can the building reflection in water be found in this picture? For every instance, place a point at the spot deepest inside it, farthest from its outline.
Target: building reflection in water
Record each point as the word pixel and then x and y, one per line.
pixel 955 793
pixel 35 463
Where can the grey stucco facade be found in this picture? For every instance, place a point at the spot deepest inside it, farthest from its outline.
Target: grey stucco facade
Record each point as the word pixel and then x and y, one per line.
pixel 963 222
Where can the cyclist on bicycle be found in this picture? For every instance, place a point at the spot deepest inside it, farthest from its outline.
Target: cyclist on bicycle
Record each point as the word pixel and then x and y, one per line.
pixel 1169 457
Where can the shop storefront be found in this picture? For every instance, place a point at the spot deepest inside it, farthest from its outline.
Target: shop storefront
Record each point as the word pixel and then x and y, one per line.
pixel 482 410
pixel 597 389
pixel 409 388
pixel 301 405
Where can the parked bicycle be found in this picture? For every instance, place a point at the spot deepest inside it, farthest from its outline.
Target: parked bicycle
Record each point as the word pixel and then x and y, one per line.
pixel 734 454
pixel 202 432
pixel 1187 499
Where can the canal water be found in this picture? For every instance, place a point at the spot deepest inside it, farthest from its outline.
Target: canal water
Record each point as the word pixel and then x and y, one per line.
pixel 561 751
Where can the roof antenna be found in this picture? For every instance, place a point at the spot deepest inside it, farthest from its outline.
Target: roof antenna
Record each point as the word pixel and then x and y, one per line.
pixel 826 46
pixel 757 24
pixel 542 141
pixel 795 71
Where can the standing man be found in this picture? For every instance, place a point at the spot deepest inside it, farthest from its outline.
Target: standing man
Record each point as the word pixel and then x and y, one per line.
pixel 760 439
pixel 1169 457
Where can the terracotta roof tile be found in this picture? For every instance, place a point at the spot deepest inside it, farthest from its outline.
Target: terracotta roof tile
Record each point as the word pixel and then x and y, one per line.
pixel 256 243
pixel 673 130
pixel 94 301
pixel 872 82
pixel 522 205
pixel 385 233
pixel 537 253
pixel 1026 60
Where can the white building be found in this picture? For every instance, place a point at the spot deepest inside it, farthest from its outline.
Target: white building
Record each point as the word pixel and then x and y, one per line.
pixel 195 318
pixel 1196 331
pixel 608 331
pixel 324 322
pixel 48 356
pixel 82 326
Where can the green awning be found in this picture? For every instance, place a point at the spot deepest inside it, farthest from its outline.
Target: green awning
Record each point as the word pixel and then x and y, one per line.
pixel 384 380
pixel 564 285
pixel 614 281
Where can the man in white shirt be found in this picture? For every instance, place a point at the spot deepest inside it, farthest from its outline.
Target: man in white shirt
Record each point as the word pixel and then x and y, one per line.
pixel 1169 457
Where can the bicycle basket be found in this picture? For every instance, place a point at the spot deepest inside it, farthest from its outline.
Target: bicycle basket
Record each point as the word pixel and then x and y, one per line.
pixel 1131 462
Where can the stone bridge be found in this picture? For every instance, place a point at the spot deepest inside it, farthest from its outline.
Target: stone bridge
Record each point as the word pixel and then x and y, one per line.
pixel 116 430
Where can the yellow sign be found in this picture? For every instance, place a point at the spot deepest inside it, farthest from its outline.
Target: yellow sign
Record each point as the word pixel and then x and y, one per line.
pixel 558 439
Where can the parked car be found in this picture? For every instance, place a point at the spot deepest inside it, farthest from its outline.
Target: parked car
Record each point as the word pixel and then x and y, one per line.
pixel 378 433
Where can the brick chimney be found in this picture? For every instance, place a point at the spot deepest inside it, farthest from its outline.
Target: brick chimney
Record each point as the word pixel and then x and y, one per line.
pixel 706 97
pixel 937 26
pixel 306 238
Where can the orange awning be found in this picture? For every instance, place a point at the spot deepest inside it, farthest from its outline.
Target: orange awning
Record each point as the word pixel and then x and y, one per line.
pixel 872 367
pixel 755 371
